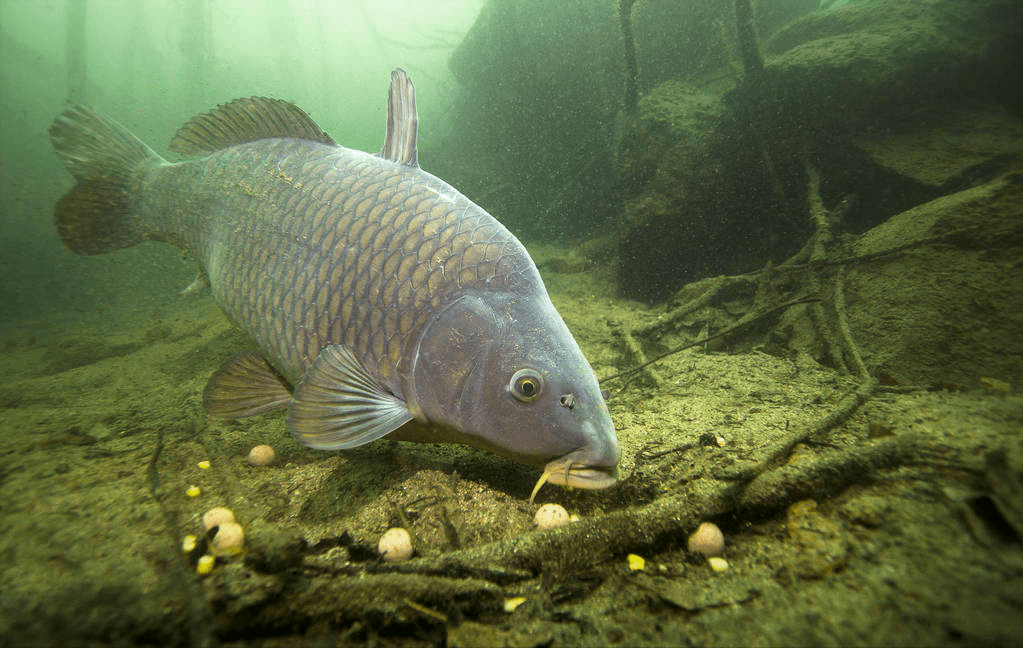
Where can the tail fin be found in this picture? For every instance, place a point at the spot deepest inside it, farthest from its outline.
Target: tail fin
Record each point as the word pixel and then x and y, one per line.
pixel 100 214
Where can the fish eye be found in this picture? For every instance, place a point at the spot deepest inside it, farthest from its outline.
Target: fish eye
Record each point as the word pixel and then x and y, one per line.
pixel 526 385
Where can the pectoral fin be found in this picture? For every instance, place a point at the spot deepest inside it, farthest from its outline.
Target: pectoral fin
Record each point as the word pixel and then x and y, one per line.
pixel 245 386
pixel 338 404
pixel 201 281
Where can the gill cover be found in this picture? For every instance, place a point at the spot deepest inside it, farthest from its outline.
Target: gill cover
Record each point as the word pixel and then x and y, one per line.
pixel 448 363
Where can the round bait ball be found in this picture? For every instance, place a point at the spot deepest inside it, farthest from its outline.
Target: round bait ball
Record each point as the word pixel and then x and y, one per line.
pixel 229 539
pixel 551 516
pixel 262 455
pixel 216 517
pixel 395 545
pixel 707 540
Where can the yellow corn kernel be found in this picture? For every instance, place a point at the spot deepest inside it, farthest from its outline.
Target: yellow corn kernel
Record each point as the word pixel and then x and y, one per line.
pixel 205 565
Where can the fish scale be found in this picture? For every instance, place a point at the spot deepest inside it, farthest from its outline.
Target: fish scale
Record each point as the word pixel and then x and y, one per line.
pixel 381 300
pixel 388 247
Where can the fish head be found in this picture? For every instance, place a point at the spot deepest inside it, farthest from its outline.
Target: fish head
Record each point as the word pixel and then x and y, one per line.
pixel 504 373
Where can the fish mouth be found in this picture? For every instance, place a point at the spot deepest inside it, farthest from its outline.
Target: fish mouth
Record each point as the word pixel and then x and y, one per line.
pixel 565 472
pixel 592 466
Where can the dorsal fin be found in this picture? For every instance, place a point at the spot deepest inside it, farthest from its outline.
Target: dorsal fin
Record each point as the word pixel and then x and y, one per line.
pixel 402 121
pixel 245 120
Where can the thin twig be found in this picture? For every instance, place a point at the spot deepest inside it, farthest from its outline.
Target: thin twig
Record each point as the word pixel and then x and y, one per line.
pixel 843 328
pixel 636 353
pixel 718 284
pixel 782 450
pixel 745 321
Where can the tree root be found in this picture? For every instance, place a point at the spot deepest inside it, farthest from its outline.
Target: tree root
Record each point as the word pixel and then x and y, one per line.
pixel 851 350
pixel 718 284
pixel 557 551
pixel 781 452
pixel 777 489
pixel 818 253
pixel 812 258
pixel 667 521
pixel 637 352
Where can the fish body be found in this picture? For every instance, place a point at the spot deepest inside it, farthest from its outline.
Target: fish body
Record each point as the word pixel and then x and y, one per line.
pixel 383 301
